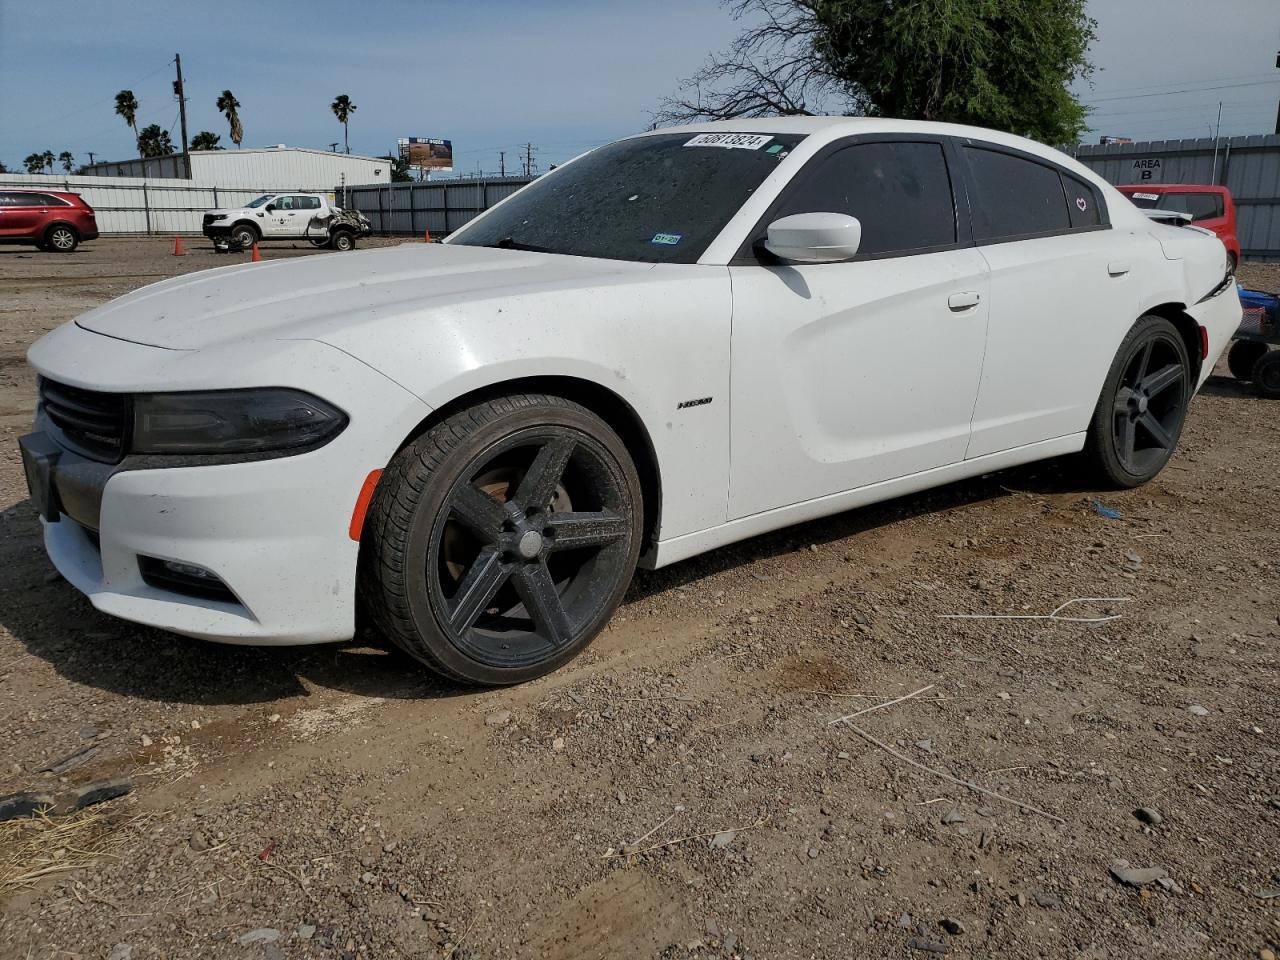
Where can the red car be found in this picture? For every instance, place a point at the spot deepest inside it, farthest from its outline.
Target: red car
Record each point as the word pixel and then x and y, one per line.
pixel 1210 207
pixel 48 219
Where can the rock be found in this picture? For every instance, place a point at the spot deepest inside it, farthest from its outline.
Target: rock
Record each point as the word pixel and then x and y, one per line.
pixel 121 951
pixel 1136 876
pixel 1198 710
pixel 99 791
pixel 88 732
pixel 17 805
pixel 557 744
pixel 1046 900
pixel 953 816
pixel 722 839
pixel 1149 815
pixel 952 926
pixel 146 741
pixel 306 931
pixel 904 921
pixel 985 811
pixel 1265 954
pixel 261 935
pixel 925 745
pixel 271 952
pixel 813 853
pixel 198 842
pixel 926 946
pixel 499 718
pixel 712 928
pixel 1020 899
pixel 71 761
pixel 388 846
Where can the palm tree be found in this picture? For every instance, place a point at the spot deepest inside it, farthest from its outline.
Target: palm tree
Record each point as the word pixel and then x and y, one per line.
pixel 205 140
pixel 343 108
pixel 48 158
pixel 127 107
pixel 34 162
pixel 228 105
pixel 154 141
pixel 67 160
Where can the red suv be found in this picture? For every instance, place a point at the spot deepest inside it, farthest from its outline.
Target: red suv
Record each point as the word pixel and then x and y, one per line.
pixel 50 220
pixel 1210 207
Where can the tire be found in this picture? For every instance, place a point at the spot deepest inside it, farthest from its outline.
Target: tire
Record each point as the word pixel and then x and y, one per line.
pixel 464 568
pixel 246 234
pixel 1266 375
pixel 343 240
pixel 1143 405
pixel 1232 263
pixel 1242 357
pixel 61 238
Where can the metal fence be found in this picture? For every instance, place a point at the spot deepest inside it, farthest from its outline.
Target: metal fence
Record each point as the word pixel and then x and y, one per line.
pixel 1248 166
pixel 440 206
pixel 134 205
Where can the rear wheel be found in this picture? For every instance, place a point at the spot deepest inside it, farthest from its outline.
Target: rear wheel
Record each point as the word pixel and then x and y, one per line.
pixel 1266 375
pixel 343 240
pixel 1242 356
pixel 61 239
pixel 500 542
pixel 1143 405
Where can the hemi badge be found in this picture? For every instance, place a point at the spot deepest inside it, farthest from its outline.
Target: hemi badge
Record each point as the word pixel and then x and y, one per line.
pixel 702 401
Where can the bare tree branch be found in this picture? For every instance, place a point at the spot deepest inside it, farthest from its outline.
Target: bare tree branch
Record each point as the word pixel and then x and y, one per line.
pixel 772 69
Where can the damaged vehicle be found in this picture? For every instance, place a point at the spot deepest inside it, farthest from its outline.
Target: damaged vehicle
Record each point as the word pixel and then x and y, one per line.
pixel 285 216
pixel 674 342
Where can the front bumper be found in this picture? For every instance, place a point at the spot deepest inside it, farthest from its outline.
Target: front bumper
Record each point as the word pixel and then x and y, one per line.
pixel 275 531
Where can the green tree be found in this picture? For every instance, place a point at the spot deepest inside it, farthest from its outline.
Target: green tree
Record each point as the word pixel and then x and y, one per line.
pixel 154 142
pixel 48 158
pixel 205 140
pixel 67 160
pixel 127 107
pixel 1005 64
pixel 3 168
pixel 34 162
pixel 229 107
pixel 343 108
pixel 399 168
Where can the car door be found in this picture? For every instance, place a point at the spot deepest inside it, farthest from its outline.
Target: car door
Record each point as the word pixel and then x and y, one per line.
pixel 1063 295
pixel 24 213
pixel 848 374
pixel 281 217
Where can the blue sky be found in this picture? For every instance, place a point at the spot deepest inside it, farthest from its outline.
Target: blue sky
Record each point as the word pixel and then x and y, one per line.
pixel 493 74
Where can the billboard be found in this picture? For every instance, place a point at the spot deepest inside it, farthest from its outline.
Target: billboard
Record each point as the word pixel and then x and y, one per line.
pixel 426 153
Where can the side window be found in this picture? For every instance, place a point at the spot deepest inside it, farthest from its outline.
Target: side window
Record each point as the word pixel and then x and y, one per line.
pixel 1083 202
pixel 1011 197
pixel 900 192
pixel 310 203
pixel 284 203
pixel 26 200
pixel 7 200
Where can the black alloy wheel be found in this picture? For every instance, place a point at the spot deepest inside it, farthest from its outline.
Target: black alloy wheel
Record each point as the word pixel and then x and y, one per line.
pixel 1143 406
pixel 500 542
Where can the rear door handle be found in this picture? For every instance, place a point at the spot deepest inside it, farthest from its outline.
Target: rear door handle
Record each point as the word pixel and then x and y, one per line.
pixel 1118 268
pixel 964 301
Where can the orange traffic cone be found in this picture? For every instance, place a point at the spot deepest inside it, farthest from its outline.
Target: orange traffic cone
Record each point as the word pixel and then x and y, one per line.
pixel 177 247
pixel 257 257
pixel 426 236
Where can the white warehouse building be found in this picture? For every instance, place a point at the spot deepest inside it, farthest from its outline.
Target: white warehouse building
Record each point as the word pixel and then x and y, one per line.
pixel 278 167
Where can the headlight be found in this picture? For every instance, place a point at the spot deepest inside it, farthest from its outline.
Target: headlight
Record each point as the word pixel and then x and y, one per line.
pixel 232 421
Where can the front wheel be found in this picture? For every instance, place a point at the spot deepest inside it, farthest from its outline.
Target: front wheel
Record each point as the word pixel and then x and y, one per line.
pixel 1143 405
pixel 61 239
pixel 245 235
pixel 500 542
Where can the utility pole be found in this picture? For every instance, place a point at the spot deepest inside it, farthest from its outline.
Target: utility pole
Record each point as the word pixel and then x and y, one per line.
pixel 90 153
pixel 182 113
pixel 528 159
pixel 502 163
pixel 1216 132
pixel 1278 105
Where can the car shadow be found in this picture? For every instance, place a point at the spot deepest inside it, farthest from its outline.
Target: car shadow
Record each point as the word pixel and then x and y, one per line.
pixel 57 624
pixel 1218 386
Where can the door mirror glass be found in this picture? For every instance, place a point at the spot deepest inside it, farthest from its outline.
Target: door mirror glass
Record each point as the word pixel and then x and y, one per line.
pixel 271 208
pixel 815 237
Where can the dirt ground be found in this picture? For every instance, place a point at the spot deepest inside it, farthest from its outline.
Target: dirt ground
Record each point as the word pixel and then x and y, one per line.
pixel 680 790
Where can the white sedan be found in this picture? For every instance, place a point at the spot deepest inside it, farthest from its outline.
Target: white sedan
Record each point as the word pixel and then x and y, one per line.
pixel 673 342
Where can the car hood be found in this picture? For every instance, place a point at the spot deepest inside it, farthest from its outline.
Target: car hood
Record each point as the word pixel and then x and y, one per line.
pixel 223 211
pixel 306 298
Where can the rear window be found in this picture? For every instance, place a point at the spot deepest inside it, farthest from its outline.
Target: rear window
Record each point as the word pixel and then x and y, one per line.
pixel 1201 206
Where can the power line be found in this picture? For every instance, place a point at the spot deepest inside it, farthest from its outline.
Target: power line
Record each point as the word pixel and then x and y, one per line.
pixel 1174 83
pixel 1170 93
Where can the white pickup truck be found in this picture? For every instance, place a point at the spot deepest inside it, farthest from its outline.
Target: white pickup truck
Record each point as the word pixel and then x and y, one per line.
pixel 287 216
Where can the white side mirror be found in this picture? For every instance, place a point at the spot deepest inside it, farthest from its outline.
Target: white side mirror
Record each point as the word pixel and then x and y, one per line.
pixel 815 237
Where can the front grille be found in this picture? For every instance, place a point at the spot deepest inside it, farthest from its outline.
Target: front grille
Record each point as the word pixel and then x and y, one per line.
pixel 89 421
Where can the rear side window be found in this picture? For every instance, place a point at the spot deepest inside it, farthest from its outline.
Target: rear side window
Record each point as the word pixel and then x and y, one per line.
pixel 1083 204
pixel 1011 197
pixel 900 192
pixel 33 200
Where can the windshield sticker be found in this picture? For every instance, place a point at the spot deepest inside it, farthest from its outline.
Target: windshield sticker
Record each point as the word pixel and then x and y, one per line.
pixel 668 239
pixel 775 148
pixel 731 141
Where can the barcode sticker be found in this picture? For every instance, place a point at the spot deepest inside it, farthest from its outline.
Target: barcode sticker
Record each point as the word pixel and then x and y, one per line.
pixel 731 141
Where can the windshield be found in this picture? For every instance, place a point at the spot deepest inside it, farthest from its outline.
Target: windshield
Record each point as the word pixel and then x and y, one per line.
pixel 260 201
pixel 657 199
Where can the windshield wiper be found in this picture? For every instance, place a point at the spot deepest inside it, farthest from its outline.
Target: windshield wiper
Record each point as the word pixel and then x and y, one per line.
pixel 509 243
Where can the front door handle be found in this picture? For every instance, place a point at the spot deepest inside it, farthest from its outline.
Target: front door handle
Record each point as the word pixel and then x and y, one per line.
pixel 964 301
pixel 1118 268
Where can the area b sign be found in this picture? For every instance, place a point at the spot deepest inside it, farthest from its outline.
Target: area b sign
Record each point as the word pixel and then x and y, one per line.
pixel 1147 170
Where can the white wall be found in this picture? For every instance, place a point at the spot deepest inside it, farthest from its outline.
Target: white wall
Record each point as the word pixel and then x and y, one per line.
pixel 293 168
pixel 126 205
